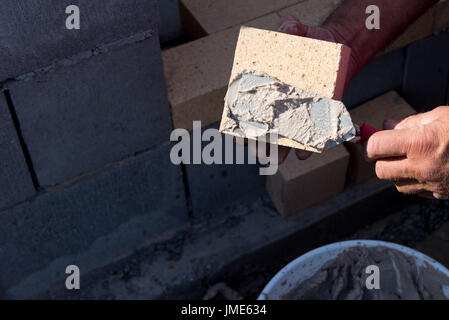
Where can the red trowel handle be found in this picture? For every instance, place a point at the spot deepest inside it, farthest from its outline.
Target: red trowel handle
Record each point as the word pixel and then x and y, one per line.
pixel 366 131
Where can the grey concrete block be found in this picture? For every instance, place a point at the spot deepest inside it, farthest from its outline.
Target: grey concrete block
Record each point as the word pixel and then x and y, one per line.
pixel 253 236
pixel 15 180
pixel 382 74
pixel 78 117
pixel 170 26
pixel 427 72
pixel 217 186
pixel 34 33
pixel 90 224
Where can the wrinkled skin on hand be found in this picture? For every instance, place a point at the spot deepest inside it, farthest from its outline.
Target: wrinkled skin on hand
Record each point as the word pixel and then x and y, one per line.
pixel 414 154
pixel 347 25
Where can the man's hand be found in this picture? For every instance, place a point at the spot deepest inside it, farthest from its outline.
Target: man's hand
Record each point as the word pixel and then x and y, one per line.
pixel 414 154
pixel 347 25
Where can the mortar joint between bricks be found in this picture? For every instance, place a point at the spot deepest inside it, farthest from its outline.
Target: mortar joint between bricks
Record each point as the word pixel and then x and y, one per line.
pixel 185 182
pixel 26 153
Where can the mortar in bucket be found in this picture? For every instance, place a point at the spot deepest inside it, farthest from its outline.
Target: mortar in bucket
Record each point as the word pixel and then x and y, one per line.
pixel 425 274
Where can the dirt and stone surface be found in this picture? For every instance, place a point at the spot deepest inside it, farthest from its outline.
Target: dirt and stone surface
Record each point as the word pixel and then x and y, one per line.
pixel 409 227
pixel 192 259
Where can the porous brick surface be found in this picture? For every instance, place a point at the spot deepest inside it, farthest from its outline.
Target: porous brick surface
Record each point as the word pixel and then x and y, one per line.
pixel 300 184
pixel 198 72
pixel 313 65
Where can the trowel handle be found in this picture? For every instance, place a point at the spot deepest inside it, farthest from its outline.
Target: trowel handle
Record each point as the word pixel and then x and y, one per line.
pixel 366 131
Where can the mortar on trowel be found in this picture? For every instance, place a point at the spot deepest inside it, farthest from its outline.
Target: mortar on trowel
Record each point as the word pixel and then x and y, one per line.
pixel 258 104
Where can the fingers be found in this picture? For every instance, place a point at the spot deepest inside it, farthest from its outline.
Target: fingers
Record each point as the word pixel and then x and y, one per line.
pixel 410 187
pixel 427 195
pixel 287 18
pixel 243 142
pixel 256 152
pixel 302 154
pixel 394 169
pixel 390 124
pixel 291 25
pixel 282 150
pixel 282 154
pixel 413 122
pixel 389 143
pixel 440 196
pixel 433 195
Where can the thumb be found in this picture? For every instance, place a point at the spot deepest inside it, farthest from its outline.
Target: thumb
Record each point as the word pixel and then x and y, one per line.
pixel 291 25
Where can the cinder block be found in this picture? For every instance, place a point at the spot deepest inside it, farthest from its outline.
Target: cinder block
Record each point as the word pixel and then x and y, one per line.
pixel 313 65
pixel 78 117
pixel 382 74
pixel 90 224
pixel 170 26
pixel 441 16
pixel 201 18
pixel 15 180
pixel 220 185
pixel 427 72
pixel 198 73
pixel 374 112
pixel 34 33
pixel 312 12
pixel 300 184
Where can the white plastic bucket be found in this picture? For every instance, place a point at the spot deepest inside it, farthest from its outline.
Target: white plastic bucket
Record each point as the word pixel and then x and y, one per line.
pixel 308 264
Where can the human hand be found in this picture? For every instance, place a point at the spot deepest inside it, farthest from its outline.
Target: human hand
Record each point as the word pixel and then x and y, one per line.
pixel 414 154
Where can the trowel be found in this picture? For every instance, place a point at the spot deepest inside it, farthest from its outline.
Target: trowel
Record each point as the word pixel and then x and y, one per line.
pixel 257 105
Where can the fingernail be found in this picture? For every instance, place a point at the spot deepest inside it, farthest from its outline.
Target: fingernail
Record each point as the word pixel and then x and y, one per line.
pixel 302 154
pixel 390 124
pixel 290 27
pixel 282 154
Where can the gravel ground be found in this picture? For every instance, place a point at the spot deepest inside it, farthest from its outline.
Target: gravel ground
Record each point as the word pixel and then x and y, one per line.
pixel 408 227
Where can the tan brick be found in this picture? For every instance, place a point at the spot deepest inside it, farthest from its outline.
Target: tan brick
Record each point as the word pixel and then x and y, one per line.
pixel 313 65
pixel 441 16
pixel 374 112
pixel 203 17
pixel 312 12
pixel 300 184
pixel 198 72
